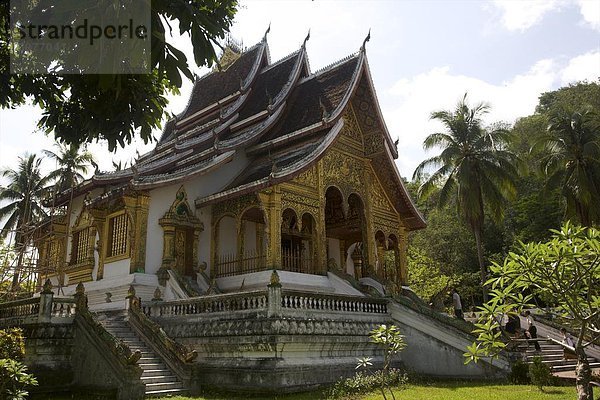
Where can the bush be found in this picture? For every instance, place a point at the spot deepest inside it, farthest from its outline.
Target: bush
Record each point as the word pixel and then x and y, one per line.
pixel 540 373
pixel 363 382
pixel 11 344
pixel 519 373
pixel 13 374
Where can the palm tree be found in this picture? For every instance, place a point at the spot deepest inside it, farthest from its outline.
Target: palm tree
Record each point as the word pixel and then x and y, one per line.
pixel 572 162
pixel 474 166
pixel 24 194
pixel 72 163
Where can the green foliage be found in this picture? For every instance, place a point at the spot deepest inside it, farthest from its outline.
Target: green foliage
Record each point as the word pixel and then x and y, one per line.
pixel 363 382
pixel 390 339
pixel 572 162
pixel 80 108
pixel 576 96
pixel 11 344
pixel 519 373
pixel 566 268
pixel 14 379
pixel 540 373
pixel 13 374
pixel 72 162
pixel 426 276
pixel 24 192
pixel 475 168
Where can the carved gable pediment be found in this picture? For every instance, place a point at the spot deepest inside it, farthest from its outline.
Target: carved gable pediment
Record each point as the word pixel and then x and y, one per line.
pixel 180 212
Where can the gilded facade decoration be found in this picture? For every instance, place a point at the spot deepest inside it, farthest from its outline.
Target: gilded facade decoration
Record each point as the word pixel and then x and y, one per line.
pixel 307 178
pixel 181 232
pixel 351 128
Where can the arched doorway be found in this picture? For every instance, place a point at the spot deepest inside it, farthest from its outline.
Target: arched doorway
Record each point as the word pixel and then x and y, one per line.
pixel 345 227
pixel 181 230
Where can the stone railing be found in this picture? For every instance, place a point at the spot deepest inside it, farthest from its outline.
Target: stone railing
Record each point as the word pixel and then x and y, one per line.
pixel 43 309
pixel 247 301
pixel 272 302
pixel 291 299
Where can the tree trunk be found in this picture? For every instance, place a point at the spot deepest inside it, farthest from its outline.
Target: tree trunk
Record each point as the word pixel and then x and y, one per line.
pixel 583 375
pixel 482 269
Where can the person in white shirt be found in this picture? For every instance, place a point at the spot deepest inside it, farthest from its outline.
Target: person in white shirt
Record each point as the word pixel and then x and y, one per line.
pixel 568 340
pixel 457 304
pixel 531 331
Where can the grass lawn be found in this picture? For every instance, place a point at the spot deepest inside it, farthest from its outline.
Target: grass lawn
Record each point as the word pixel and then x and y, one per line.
pixel 432 391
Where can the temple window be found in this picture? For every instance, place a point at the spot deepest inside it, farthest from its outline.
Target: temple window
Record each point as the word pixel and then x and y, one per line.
pixel 80 246
pixel 117 239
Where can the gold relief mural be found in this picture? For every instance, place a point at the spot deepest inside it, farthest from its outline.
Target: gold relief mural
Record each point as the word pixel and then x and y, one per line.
pixel 351 128
pixel 378 197
pixel 374 144
pixel 343 170
pixel 307 178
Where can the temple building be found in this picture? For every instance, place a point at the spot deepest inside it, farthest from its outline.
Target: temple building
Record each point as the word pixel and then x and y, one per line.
pixel 270 166
pixel 253 249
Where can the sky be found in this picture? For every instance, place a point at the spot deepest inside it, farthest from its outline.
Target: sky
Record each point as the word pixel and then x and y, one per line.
pixel 423 55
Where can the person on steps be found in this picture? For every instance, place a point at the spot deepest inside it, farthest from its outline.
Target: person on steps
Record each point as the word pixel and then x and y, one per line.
pixel 457 304
pixel 531 331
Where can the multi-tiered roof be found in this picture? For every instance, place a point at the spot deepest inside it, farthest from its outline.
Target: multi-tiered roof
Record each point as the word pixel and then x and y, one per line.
pixel 281 116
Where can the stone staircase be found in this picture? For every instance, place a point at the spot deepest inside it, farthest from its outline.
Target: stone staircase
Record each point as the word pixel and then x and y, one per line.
pixel 553 355
pixel 158 378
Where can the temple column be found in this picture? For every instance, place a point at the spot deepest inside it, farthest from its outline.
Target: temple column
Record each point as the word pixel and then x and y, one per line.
pixel 137 208
pixel 271 201
pixel 402 260
pixel 168 246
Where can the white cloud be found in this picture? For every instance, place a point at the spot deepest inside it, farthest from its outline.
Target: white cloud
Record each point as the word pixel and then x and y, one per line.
pixel 522 15
pixel 440 89
pixel 590 11
pixel 585 66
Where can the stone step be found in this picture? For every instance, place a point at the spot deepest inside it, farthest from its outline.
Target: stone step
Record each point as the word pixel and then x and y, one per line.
pixel 147 373
pixel 159 379
pixel 571 367
pixel 146 366
pixel 152 387
pixel 166 393
pixel 149 360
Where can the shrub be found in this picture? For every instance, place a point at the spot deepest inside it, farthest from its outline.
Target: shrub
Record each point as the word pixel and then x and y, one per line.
pixel 519 373
pixel 540 373
pixel 14 379
pixel 363 382
pixel 11 344
pixel 13 374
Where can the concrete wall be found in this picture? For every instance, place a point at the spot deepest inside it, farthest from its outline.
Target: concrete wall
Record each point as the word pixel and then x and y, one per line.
pixel 435 349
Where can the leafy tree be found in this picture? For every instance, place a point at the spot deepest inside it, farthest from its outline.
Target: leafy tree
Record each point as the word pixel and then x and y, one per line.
pixel 73 162
pixel 577 96
pixel 426 277
pixel 567 269
pixel 474 166
pixel 572 161
pixel 24 194
pixel 80 108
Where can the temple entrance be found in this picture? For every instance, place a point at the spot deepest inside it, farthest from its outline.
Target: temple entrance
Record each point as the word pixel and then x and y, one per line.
pixel 298 252
pixel 345 227
pixel 181 229
pixel 184 251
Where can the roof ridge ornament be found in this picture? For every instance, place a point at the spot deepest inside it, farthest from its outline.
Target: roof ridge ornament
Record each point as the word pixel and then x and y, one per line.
pixel 306 39
pixel 362 48
pixel 264 39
